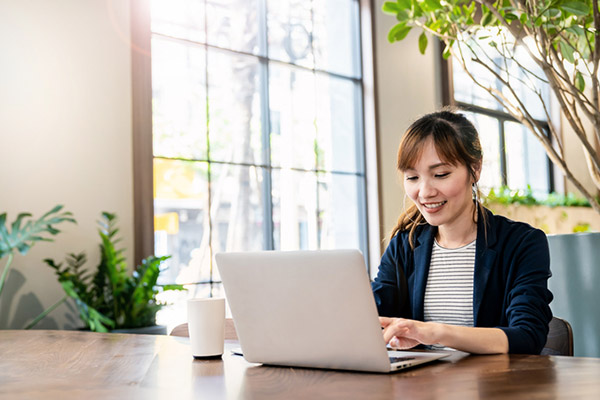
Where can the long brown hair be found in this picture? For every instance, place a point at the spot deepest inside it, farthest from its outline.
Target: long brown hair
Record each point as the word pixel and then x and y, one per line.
pixel 456 142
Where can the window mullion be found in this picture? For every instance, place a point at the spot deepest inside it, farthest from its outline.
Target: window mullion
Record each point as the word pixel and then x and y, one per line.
pixel 502 144
pixel 267 184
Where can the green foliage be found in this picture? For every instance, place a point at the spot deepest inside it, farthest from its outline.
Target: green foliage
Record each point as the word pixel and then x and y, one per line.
pixel 25 232
pixel 568 25
pixel 510 49
pixel 22 238
pixel 111 298
pixel 582 227
pixel 504 195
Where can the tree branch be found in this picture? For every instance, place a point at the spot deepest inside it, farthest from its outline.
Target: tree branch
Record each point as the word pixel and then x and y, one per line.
pixel 596 61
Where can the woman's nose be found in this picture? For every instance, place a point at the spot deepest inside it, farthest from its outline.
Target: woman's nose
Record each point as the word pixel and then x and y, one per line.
pixel 427 189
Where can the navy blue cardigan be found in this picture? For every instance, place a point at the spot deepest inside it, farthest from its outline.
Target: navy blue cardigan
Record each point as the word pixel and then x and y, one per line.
pixel 510 290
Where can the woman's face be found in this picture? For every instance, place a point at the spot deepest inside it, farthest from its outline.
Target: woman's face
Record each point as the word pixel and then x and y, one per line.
pixel 441 191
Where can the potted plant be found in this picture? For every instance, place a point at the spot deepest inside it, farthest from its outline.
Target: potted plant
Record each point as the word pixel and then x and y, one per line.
pixel 112 298
pixel 24 232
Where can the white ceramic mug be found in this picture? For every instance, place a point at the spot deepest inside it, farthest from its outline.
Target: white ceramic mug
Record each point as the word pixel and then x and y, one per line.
pixel 206 325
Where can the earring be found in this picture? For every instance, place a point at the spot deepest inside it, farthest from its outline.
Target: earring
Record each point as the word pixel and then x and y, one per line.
pixel 475 189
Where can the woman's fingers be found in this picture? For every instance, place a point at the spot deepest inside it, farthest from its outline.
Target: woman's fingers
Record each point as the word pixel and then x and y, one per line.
pixel 385 321
pixel 394 329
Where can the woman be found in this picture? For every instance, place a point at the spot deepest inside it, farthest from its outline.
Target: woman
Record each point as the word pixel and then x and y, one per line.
pixel 454 274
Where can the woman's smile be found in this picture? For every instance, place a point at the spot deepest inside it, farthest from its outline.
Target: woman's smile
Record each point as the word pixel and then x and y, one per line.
pixel 441 191
pixel 433 207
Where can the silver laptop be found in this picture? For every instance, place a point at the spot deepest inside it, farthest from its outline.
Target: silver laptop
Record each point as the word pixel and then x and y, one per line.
pixel 309 309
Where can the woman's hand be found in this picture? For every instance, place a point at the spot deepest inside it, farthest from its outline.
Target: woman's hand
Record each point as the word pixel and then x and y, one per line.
pixel 403 333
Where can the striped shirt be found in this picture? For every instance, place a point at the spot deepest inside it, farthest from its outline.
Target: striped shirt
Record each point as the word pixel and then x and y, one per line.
pixel 449 290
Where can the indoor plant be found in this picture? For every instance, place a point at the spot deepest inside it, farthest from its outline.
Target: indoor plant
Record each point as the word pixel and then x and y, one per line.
pixel 25 232
pixel 110 297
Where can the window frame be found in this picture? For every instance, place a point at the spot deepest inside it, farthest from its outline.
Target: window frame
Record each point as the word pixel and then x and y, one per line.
pixel 143 179
pixel 447 96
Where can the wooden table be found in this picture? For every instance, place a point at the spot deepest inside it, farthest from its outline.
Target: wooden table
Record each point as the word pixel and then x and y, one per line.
pixel 86 365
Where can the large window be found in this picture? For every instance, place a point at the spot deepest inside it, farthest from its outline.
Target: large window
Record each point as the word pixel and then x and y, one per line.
pixel 257 131
pixel 513 157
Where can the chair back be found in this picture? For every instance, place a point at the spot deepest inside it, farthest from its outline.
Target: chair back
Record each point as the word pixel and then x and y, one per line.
pixel 560 338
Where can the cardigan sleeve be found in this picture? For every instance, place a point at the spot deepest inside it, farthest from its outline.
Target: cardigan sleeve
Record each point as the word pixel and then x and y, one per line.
pixel 389 287
pixel 528 311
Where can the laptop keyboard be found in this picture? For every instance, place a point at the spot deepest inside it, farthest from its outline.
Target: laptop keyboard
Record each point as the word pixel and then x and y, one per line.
pixel 400 359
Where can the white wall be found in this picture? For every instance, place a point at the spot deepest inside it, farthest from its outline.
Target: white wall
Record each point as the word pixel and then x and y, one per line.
pixel 407 87
pixel 65 136
pixel 575 155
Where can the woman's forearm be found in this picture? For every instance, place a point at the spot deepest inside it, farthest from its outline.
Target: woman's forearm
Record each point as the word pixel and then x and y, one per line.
pixel 472 340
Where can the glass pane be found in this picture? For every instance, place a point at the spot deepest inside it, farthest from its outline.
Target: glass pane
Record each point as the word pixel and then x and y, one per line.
pixel 340 204
pixel 179 18
pixel 489 136
pixel 237 204
pixel 526 85
pixel 527 79
pixel 181 227
pixel 338 145
pixel 293 134
pixel 294 210
pixel 233 24
pixel 289 30
pixel 336 38
pixel 234 108
pixel 526 161
pixel 178 99
pixel 466 90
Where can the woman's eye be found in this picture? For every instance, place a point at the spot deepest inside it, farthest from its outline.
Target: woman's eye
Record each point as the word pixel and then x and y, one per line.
pixel 442 175
pixel 411 178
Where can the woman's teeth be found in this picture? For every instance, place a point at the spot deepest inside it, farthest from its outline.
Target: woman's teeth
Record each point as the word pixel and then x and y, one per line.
pixel 434 205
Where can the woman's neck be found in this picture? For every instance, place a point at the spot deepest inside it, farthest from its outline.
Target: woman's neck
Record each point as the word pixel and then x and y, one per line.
pixel 458 234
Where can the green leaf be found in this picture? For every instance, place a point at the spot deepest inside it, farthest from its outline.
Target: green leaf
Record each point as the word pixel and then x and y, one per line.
pixel 446 53
pixel 398 32
pixel 551 13
pixel 23 236
pixel 173 287
pixel 390 7
pixel 487 18
pixel 567 52
pixel 523 18
pixel 431 5
pixel 422 42
pixel 576 30
pixel 538 22
pixel 576 8
pixel 404 4
pixel 53 211
pixel 23 248
pixel 436 25
pixel 579 81
pixel 417 11
pixel 16 225
pixel 402 16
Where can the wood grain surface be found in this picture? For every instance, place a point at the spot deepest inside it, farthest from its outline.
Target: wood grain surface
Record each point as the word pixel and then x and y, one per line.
pixel 230 333
pixel 87 365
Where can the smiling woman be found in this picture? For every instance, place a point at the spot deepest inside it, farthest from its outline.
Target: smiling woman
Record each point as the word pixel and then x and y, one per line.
pixel 454 274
